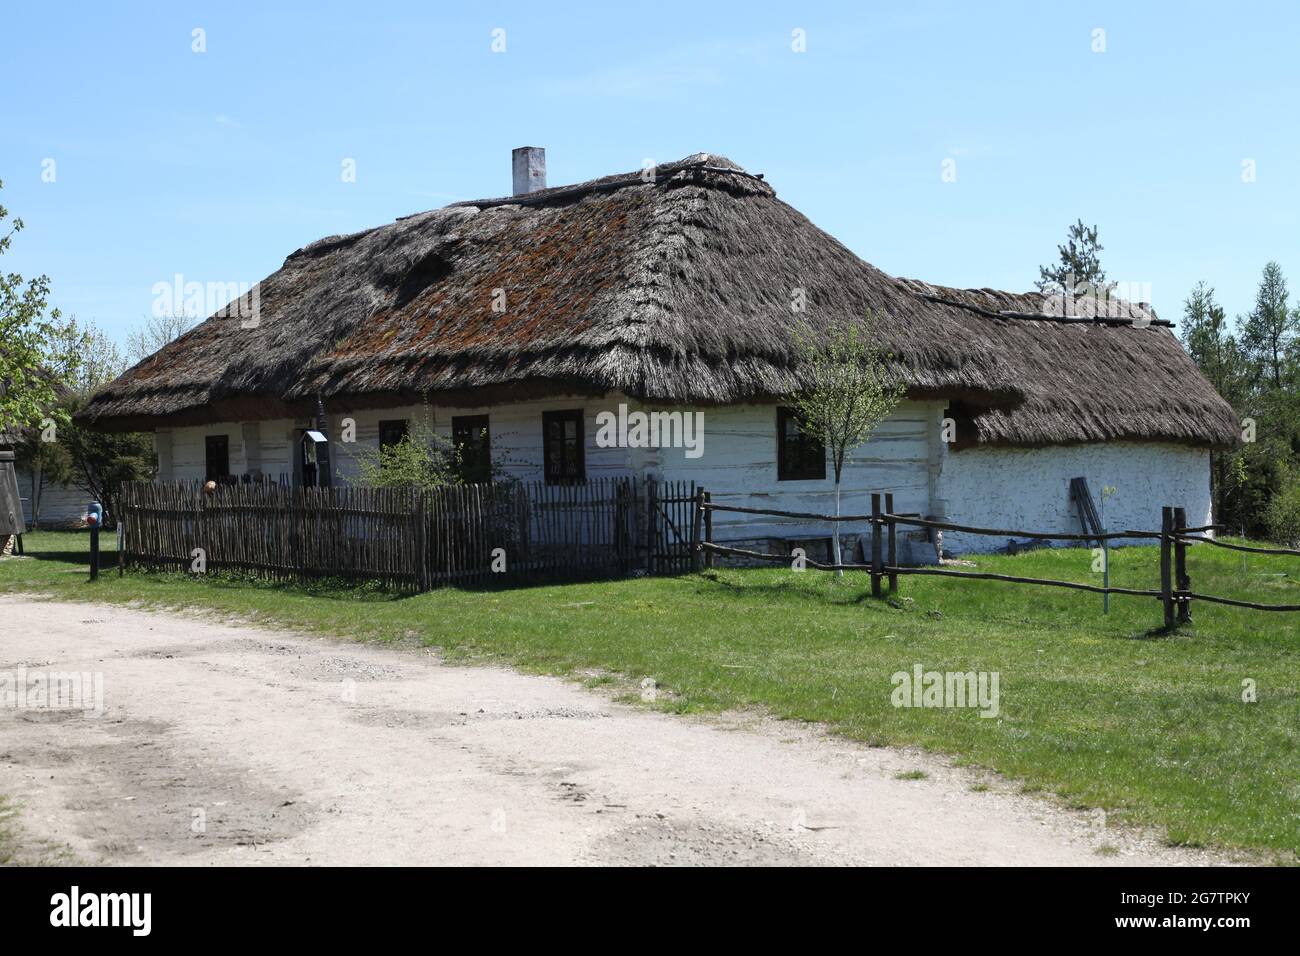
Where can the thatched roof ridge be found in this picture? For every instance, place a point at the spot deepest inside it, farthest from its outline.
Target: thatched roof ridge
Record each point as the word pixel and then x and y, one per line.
pixel 672 288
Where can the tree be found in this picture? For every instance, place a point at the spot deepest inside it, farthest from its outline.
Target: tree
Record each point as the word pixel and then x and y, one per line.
pixel 30 345
pixel 100 462
pixel 847 392
pixel 1257 370
pixel 156 332
pixel 99 360
pixel 1079 264
pixel 1221 359
pixel 1214 349
pixel 1269 331
pixel 1282 517
pixel 70 454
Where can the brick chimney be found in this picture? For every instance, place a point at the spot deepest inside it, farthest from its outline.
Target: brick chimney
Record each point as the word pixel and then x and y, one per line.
pixel 529 167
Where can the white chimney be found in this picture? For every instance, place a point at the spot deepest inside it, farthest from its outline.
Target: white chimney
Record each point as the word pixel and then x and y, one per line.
pixel 529 166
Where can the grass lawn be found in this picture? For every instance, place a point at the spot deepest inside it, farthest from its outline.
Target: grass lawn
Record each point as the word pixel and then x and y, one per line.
pixel 1105 711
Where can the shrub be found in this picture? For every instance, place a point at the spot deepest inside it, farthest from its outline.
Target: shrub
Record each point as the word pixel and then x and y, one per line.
pixel 422 459
pixel 1283 514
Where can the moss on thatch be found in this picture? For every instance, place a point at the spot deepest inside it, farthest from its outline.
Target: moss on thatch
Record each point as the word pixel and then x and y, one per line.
pixel 675 290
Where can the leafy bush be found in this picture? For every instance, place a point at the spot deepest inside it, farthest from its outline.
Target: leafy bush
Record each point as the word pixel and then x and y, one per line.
pixel 422 459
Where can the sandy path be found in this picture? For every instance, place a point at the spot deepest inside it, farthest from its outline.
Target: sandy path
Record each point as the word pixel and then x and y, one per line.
pixel 293 748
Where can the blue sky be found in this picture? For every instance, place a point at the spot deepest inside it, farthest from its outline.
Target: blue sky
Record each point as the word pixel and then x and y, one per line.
pixel 216 165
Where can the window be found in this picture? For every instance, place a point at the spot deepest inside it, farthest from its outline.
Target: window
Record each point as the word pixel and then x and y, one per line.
pixel 392 432
pixel 216 458
pixel 562 447
pixel 799 456
pixel 469 433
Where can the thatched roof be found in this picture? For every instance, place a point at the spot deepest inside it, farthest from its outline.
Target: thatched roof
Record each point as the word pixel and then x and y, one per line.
pixel 1083 378
pixel 675 290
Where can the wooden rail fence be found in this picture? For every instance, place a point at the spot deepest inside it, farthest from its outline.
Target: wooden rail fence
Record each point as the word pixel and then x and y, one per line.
pixel 1175 593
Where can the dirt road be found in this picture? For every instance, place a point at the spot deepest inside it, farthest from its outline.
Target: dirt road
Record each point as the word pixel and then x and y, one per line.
pixel 222 744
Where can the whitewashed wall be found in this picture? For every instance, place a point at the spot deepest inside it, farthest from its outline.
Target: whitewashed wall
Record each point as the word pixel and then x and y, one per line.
pixel 515 431
pixel 738 463
pixel 1024 489
pixel 1029 488
pixel 738 467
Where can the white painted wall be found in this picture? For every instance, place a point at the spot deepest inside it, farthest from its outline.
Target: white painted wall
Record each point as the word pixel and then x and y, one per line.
pixel 738 467
pixel 1029 488
pixel 1025 489
pixel 515 431
pixel 738 463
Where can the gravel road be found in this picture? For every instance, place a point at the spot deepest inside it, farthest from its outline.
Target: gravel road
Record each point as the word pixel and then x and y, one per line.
pixel 222 744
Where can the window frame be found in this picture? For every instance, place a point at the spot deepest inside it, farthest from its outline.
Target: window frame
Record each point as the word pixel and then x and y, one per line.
pixel 803 468
pixel 579 464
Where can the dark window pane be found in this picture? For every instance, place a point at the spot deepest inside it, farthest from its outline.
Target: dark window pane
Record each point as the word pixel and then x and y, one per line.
pixel 470 434
pixel 799 456
pixel 216 466
pixel 392 431
pixel 563 447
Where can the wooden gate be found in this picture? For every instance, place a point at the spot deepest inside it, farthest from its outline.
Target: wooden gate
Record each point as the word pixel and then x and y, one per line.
pixel 670 521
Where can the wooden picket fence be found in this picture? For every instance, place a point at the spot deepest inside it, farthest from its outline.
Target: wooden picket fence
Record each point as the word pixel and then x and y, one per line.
pixel 401 538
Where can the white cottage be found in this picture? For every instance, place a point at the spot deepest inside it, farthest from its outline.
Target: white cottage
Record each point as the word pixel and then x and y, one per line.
pixel 511 325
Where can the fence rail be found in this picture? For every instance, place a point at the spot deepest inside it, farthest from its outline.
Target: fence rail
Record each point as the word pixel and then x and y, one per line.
pixel 1175 593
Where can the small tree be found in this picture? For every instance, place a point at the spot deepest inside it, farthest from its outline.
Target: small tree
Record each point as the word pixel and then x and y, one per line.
pixel 847 392
pixel 98 463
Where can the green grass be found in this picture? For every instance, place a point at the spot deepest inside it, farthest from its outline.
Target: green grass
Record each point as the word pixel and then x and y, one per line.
pixel 1104 711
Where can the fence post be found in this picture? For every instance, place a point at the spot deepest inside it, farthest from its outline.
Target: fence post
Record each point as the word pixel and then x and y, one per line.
pixel 708 528
pixel 1183 582
pixel 1166 569
pixel 697 527
pixel 94 551
pixel 875 544
pixel 652 525
pixel 421 544
pixel 893 544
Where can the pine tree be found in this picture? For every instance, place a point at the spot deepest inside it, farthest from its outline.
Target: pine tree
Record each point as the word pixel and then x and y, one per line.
pixel 1079 266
